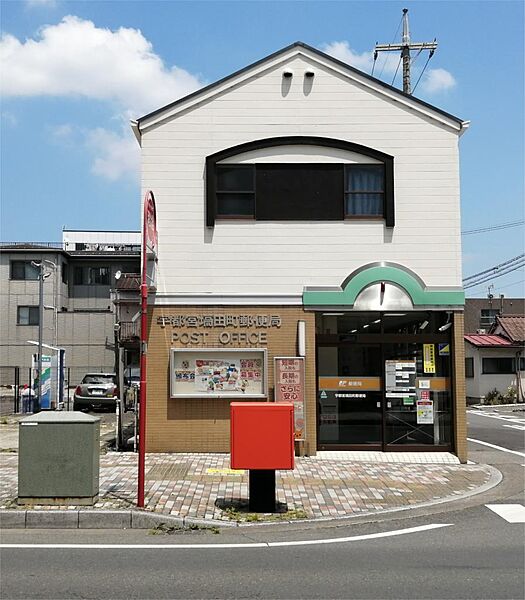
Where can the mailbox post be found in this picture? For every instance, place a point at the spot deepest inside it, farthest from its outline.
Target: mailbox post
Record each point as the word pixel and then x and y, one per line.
pixel 262 441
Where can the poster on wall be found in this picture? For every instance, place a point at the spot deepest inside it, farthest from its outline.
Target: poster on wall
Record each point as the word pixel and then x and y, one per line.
pixel 289 387
pixel 217 372
pixel 425 409
pixel 400 378
pixel 429 358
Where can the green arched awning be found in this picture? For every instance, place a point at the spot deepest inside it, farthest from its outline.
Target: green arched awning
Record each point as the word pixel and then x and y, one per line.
pixel 421 295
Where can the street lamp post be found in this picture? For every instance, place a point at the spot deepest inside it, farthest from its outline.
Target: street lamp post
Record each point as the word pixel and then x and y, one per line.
pixel 42 274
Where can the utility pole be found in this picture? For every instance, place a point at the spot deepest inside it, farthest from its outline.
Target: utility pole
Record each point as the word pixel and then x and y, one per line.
pixel 405 46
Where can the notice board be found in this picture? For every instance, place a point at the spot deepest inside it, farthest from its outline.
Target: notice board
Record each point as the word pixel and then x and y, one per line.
pixel 289 387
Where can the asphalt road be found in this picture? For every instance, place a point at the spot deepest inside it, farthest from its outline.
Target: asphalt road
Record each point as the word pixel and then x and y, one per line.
pixel 499 426
pixel 479 555
pixel 464 550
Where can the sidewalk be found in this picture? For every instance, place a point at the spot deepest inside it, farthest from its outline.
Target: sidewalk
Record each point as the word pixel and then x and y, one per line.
pixel 202 486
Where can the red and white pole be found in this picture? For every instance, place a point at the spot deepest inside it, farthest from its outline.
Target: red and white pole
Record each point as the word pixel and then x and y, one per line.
pixel 149 243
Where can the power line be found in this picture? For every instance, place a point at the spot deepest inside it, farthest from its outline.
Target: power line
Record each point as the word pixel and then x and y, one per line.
pixel 397 68
pixel 502 287
pixel 493 227
pixel 503 264
pixel 495 275
pixel 430 55
pixel 393 38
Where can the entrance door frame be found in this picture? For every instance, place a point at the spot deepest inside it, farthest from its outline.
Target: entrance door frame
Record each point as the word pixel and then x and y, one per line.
pixel 382 339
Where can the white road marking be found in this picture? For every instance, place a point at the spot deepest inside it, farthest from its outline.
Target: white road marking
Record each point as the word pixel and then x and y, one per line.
pixel 518 427
pixel 355 538
pixel 510 419
pixel 496 447
pixel 513 513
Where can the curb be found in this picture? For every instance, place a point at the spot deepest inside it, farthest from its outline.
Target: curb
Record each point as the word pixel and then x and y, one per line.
pixel 141 519
pixel 100 519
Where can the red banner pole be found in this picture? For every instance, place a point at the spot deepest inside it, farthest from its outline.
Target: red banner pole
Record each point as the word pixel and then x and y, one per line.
pixel 147 234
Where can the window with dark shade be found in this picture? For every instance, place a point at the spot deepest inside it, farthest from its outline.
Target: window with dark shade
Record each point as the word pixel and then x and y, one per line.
pixel 235 186
pixel 498 366
pixel 24 270
pixel 27 315
pixel 300 191
pixel 469 367
pixel 364 190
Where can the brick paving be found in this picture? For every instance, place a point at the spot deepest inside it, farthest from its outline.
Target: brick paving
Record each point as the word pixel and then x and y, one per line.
pixel 203 485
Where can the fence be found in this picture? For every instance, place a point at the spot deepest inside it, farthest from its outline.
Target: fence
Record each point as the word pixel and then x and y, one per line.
pixel 18 393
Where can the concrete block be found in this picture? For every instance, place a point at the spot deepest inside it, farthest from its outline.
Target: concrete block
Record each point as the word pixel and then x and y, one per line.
pixel 104 519
pixel 52 519
pixel 189 521
pixel 12 519
pixel 147 520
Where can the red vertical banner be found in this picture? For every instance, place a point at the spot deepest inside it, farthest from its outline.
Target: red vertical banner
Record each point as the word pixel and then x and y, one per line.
pixel 289 383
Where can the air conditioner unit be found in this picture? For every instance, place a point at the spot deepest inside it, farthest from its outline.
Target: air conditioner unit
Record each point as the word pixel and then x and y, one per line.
pixel 481 331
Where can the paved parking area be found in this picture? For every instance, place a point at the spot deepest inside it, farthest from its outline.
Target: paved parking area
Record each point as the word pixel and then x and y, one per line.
pixel 203 485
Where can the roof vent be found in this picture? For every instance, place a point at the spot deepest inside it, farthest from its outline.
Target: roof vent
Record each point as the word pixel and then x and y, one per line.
pixel 287 73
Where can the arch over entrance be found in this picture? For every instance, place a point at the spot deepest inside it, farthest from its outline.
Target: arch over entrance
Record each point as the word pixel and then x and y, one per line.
pixel 382 278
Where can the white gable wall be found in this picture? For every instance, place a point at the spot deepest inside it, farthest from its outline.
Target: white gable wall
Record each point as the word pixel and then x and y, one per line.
pixel 282 257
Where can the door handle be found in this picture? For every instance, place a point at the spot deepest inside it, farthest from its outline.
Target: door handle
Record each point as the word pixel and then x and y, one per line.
pixel 389 404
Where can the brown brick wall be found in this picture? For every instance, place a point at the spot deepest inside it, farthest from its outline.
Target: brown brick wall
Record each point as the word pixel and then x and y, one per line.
pixel 460 416
pixel 203 425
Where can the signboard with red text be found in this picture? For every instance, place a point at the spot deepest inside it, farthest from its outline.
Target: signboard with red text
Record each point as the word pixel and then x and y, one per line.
pixel 289 387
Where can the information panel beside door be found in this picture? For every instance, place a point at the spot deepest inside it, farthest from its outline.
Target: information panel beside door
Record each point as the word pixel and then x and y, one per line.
pixel 289 387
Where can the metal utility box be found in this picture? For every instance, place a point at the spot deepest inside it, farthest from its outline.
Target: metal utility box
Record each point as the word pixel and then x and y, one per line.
pixel 58 458
pixel 262 435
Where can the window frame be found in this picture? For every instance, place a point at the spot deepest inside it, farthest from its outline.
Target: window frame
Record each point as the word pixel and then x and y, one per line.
pixel 24 278
pixel 213 160
pixel 484 360
pixel 252 193
pixel 347 192
pixel 469 367
pixel 36 311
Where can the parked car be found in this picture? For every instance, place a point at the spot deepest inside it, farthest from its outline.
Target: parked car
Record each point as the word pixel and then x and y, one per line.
pixel 96 391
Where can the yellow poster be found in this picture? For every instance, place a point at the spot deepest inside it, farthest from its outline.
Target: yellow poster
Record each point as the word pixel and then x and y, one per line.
pixel 429 358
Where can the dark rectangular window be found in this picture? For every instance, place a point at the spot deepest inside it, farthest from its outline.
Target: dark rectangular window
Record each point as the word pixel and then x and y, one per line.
pixel 235 191
pixel 98 276
pixel 78 278
pixel 297 192
pixel 364 190
pixel 469 367
pixel 64 273
pixel 27 315
pixel 498 366
pixel 488 317
pixel 24 270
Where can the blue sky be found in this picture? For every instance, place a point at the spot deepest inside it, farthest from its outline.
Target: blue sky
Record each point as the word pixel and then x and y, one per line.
pixel 75 72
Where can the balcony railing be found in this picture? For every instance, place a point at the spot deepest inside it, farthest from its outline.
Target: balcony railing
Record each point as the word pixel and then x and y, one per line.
pixel 129 331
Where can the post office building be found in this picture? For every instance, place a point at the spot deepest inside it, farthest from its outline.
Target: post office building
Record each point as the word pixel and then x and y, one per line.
pixel 308 250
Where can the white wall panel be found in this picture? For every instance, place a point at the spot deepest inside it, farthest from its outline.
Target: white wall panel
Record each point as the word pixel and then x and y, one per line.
pixel 257 257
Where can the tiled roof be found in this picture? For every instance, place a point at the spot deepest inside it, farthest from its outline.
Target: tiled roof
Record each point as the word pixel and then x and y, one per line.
pixel 485 340
pixel 513 326
pixel 128 281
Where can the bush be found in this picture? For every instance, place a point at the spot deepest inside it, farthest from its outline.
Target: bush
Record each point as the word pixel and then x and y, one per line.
pixel 511 394
pixel 494 397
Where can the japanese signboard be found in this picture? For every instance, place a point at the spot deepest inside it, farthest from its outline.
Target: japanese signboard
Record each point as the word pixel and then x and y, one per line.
pixel 218 373
pixel 429 358
pixel 425 409
pixel 289 387
pixel 400 378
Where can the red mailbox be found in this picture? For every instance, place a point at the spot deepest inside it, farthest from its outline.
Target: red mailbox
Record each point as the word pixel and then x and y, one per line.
pixel 261 435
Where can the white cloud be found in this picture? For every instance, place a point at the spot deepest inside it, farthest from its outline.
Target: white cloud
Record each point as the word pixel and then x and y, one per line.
pixel 386 63
pixel 434 80
pixel 437 80
pixel 76 58
pixel 117 155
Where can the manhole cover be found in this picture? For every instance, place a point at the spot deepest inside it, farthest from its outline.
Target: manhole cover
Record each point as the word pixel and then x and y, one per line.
pixel 168 472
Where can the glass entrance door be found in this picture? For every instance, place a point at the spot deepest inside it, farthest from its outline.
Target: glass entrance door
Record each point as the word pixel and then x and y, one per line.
pixel 349 396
